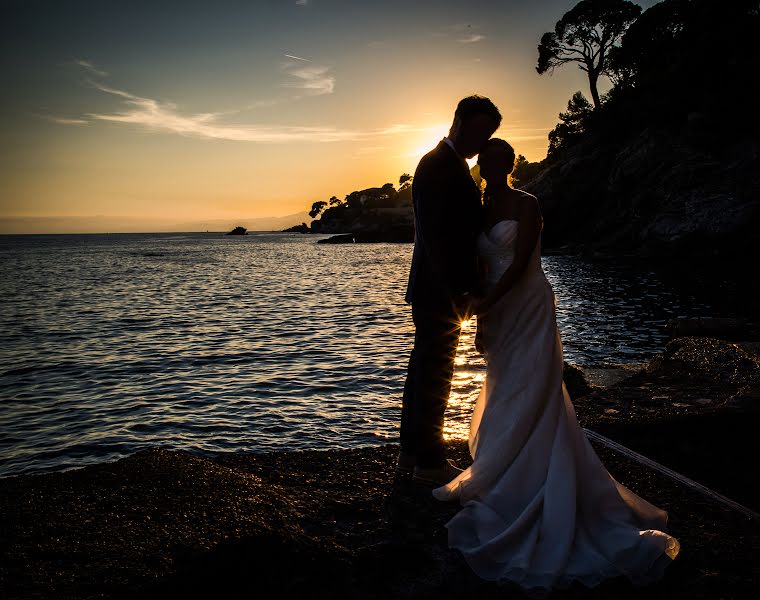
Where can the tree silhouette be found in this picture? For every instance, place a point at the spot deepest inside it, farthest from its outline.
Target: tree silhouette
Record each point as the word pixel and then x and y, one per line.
pixel 317 208
pixel 335 201
pixel 405 181
pixel 524 171
pixel 651 45
pixel 586 34
pixel 572 124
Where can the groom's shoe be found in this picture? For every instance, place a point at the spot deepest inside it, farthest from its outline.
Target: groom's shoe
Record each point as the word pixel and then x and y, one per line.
pixel 406 463
pixel 437 475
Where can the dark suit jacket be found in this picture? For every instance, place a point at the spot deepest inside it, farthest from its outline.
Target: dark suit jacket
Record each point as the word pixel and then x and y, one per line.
pixel 447 219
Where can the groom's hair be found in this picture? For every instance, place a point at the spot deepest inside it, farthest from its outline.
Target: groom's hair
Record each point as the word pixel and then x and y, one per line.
pixel 476 105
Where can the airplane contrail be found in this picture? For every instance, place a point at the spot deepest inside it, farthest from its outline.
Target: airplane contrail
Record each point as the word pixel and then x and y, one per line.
pixel 298 58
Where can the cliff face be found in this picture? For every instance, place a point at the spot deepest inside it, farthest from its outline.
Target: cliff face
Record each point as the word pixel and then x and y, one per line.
pixel 659 193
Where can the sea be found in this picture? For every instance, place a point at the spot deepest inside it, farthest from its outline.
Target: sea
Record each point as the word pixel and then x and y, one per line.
pixel 111 343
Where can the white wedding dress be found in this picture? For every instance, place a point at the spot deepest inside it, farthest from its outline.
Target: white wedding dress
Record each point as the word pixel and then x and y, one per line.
pixel 539 508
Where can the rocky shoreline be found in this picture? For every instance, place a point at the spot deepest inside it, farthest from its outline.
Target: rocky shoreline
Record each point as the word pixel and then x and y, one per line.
pixel 340 524
pixel 388 235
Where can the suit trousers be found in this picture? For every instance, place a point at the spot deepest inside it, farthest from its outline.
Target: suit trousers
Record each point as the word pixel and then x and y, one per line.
pixel 428 381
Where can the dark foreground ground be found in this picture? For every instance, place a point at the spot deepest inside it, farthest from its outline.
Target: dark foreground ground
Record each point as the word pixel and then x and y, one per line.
pixel 340 524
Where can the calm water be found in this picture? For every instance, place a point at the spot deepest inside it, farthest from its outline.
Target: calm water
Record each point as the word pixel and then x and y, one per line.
pixel 203 342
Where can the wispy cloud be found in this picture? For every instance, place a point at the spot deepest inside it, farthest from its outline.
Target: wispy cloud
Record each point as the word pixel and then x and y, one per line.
pixel 302 2
pixel 464 33
pixel 166 117
pixel 91 68
pixel 261 104
pixel 471 39
pixel 63 120
pixel 314 80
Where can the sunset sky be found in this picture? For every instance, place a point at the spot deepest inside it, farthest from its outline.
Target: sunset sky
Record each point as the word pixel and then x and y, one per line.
pixel 143 115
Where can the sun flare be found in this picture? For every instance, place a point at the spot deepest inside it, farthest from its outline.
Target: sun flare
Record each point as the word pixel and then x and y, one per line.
pixel 435 133
pixel 429 140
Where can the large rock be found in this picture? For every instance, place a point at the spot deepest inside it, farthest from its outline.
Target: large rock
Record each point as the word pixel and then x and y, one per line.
pixel 723 328
pixel 576 382
pixel 694 375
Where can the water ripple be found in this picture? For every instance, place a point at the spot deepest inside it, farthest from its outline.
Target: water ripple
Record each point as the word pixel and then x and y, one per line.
pixel 202 342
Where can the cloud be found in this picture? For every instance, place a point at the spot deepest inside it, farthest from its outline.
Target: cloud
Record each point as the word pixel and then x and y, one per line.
pixel 471 39
pixel 166 117
pixel 91 68
pixel 64 120
pixel 260 104
pixel 161 116
pixel 362 153
pixel 302 2
pixel 464 33
pixel 315 80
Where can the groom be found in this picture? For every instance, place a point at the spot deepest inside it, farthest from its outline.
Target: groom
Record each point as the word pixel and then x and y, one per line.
pixel 443 282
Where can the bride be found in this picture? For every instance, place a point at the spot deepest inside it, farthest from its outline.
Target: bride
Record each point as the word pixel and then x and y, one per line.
pixel 539 508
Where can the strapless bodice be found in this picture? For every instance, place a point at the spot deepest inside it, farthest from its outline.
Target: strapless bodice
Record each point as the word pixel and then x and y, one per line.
pixel 497 248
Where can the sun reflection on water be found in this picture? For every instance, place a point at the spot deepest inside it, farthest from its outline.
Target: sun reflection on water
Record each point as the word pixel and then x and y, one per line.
pixel 469 375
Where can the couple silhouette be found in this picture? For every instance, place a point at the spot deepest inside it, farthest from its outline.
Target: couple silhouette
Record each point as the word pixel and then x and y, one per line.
pixel 539 509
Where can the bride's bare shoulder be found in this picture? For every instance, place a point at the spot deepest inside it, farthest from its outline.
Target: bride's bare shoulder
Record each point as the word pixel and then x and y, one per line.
pixel 526 202
pixel 525 196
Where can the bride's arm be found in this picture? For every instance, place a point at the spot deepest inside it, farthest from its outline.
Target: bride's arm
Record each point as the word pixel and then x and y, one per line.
pixel 528 232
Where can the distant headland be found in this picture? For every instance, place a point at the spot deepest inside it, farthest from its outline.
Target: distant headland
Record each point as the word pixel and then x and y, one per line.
pixel 377 214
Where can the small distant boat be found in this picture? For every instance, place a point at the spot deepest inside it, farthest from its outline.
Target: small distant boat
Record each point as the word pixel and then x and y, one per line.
pixel 238 231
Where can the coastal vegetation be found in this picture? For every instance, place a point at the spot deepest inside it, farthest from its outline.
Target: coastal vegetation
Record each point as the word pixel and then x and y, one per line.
pixel 374 214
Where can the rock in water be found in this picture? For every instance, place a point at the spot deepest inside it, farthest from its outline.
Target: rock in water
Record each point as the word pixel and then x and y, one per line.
pixel 347 238
pixel 238 231
pixel 302 228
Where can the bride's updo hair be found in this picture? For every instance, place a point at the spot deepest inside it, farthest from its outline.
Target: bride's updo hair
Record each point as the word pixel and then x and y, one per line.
pixel 505 148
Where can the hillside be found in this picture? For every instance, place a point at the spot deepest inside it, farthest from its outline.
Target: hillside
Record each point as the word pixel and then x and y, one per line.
pixel 668 162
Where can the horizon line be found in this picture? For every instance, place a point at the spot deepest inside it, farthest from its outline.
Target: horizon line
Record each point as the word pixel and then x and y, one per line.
pixel 149 232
